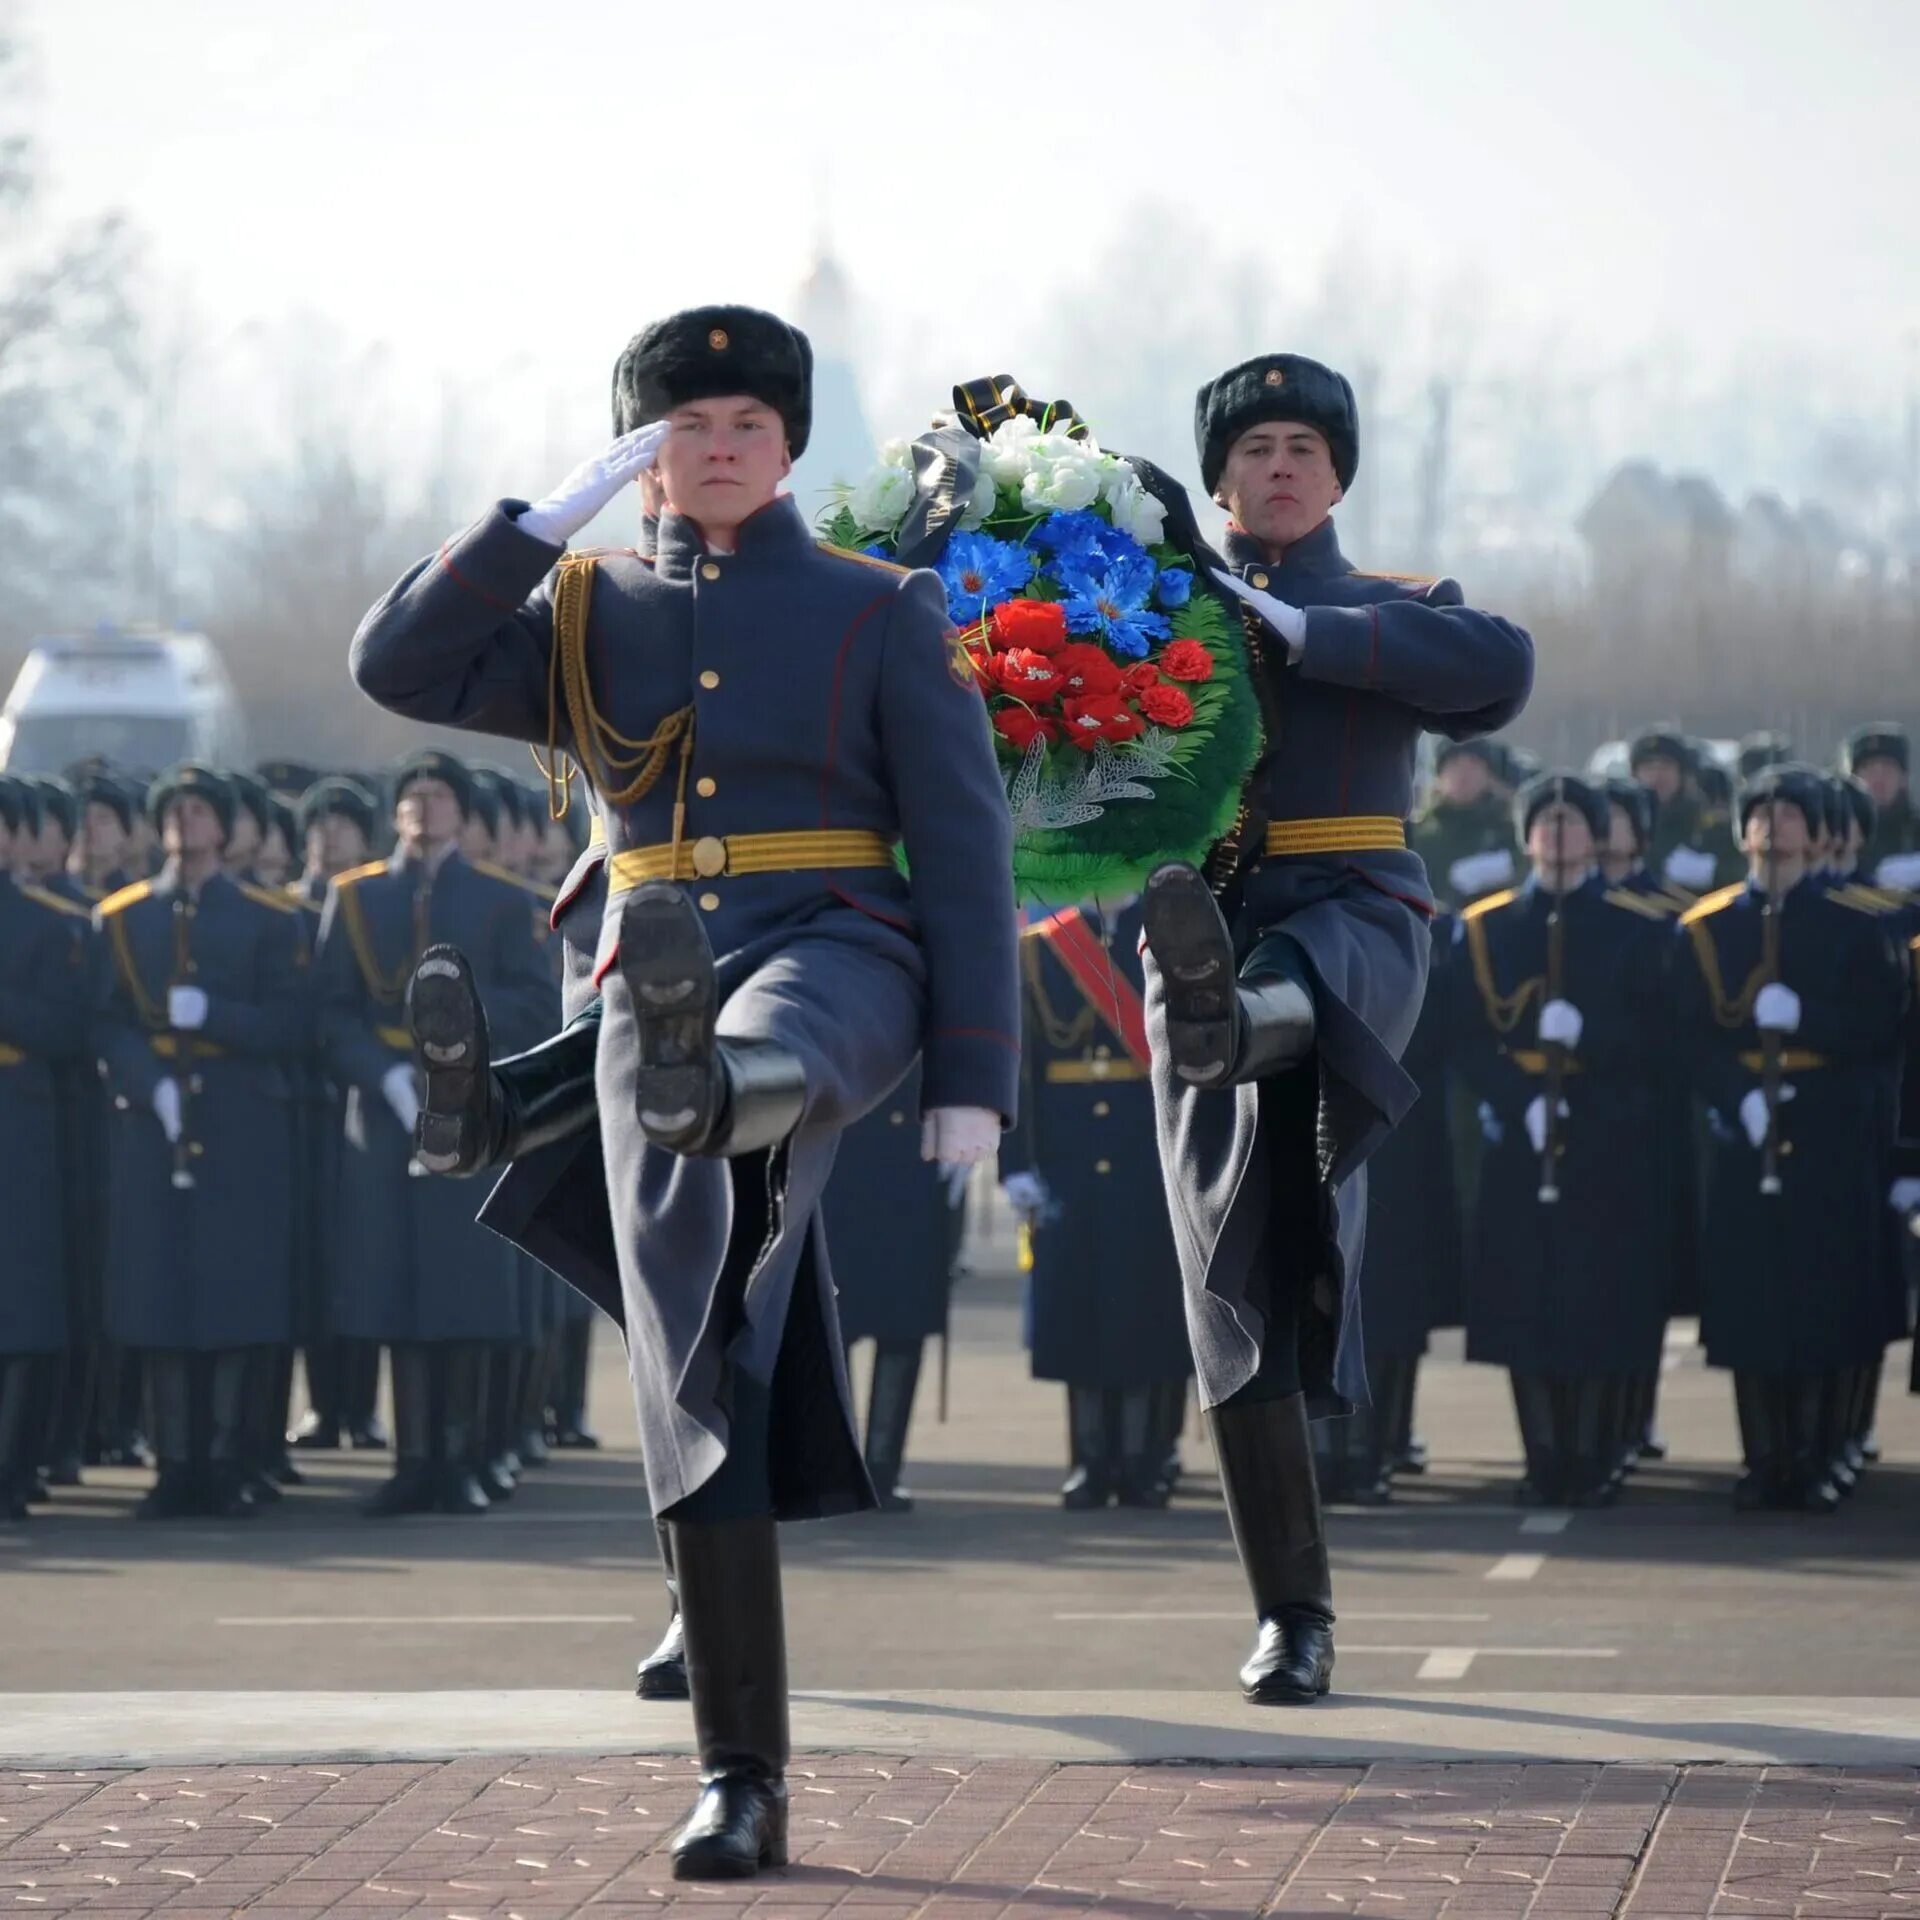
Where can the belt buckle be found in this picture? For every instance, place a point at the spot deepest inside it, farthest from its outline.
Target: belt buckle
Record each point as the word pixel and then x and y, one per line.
pixel 709 857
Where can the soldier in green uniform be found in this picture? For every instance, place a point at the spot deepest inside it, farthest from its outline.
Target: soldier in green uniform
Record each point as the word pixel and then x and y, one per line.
pixel 1465 834
pixel 1880 757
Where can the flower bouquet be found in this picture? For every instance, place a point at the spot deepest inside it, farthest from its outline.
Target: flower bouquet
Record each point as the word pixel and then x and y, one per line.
pixel 1114 673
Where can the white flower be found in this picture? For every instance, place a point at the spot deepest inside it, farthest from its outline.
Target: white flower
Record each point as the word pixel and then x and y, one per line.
pixel 897 453
pixel 880 500
pixel 980 503
pixel 1063 474
pixel 1004 453
pixel 1137 512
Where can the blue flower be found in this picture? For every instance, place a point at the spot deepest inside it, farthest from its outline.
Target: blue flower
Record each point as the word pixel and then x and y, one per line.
pixel 1072 537
pixel 979 572
pixel 1112 601
pixel 1174 588
pixel 878 551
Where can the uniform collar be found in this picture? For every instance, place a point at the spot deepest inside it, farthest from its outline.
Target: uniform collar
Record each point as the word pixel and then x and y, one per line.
pixel 431 868
pixel 777 529
pixel 1541 900
pixel 1315 555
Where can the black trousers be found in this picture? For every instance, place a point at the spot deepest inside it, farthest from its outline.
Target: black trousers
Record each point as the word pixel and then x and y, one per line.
pixel 1291 1243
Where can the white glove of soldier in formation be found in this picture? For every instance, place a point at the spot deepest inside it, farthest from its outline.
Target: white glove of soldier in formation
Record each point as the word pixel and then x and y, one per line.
pixel 589 487
pixel 1282 616
pixel 1900 871
pixel 1904 1195
pixel 1480 872
pixel 1561 1024
pixel 1753 1115
pixel 959 1136
pixel 396 1085
pixel 1776 1008
pixel 1537 1121
pixel 186 1009
pixel 166 1109
pixel 1688 867
pixel 1026 1195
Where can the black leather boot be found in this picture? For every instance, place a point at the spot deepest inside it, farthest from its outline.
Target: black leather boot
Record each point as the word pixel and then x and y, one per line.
pixel 696 1093
pixel 1759 1483
pixel 1810 1486
pixel 729 1574
pixel 495 1464
pixel 538 1366
pixel 1089 1482
pixel 1169 1419
pixel 1140 1466
pixel 896 1376
pixel 1593 1452
pixel 1534 1407
pixel 570 1427
pixel 460 1376
pixel 1273 1505
pixel 412 1489
pixel 318 1429
pixel 663 1673
pixel 1868 1436
pixel 360 1395
pixel 1226 1024
pixel 477 1113
pixel 169 1397
pixel 226 1488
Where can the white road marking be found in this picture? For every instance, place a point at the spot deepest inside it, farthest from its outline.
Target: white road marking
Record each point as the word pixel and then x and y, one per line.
pixel 1516 1566
pixel 1241 1614
pixel 427 1620
pixel 1556 1522
pixel 1446 1663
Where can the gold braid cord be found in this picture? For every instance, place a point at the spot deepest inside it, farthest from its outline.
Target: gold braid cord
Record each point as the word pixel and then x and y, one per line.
pixel 144 1003
pixel 386 989
pixel 1735 1012
pixel 1064 1034
pixel 605 755
pixel 1503 1009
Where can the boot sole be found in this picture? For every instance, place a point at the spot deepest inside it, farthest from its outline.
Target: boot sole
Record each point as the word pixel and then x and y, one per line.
pixel 727 1866
pixel 449 1028
pixel 1287 1696
pixel 667 965
pixel 1193 950
pixel 661 1684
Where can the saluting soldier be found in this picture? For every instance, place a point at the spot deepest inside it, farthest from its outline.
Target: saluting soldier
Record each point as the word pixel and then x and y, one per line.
pixel 763 722
pixel 1276 1037
pixel 1790 1001
pixel 1105 1311
pixel 412 1271
pixel 1464 837
pixel 44 1013
pixel 201 1021
pixel 1557 995
pixel 894 1227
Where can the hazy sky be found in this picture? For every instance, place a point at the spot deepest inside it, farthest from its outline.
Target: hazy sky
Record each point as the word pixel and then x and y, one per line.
pixel 506 189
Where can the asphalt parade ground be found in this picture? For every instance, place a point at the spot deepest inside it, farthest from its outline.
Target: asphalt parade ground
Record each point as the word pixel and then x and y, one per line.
pixel 1666 1708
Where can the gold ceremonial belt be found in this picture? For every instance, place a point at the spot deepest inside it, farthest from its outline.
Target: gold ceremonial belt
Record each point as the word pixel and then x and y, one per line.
pixel 1792 1060
pixel 1079 1073
pixel 710 858
pixel 396 1037
pixel 167 1046
pixel 1530 1060
pixel 11 1056
pixel 1343 833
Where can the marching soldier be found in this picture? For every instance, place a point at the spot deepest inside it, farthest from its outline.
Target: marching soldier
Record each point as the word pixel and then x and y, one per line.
pixel 1556 995
pixel 1879 757
pixel 1465 836
pixel 201 1021
pixel 1790 1002
pixel 894 1227
pixel 44 1012
pixel 1276 1037
pixel 762 721
pixel 1081 1168
pixel 412 1271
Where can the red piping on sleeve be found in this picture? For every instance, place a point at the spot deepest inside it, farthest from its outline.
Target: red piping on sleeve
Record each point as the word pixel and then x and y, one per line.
pixel 478 592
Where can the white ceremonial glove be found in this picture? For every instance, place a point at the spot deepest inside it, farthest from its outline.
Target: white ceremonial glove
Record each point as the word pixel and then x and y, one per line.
pixel 1537 1121
pixel 958 1179
pixel 1753 1114
pixel 1285 619
pixel 1900 871
pixel 166 1108
pixel 591 485
pixel 1561 1024
pixel 396 1084
pixel 186 1009
pixel 1904 1195
pixel 959 1136
pixel 1026 1194
pixel 1491 1131
pixel 1481 872
pixel 1688 867
pixel 1776 1009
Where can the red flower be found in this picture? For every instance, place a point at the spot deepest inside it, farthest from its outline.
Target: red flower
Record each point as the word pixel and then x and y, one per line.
pixel 1027 675
pixel 1089 669
pixel 1139 679
pixel 1038 625
pixel 1187 660
pixel 1166 707
pixel 1104 716
pixel 1021 728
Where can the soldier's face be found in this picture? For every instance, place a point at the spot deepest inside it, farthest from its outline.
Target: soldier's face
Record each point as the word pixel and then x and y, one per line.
pixel 274 862
pixel 243 844
pixel 335 843
pixel 1622 851
pixel 1463 780
pixel 1883 778
pixel 428 814
pixel 106 838
pixel 476 843
pixel 723 461
pixel 1560 837
pixel 1278 483
pixel 54 846
pixel 1660 775
pixel 190 826
pixel 1778 830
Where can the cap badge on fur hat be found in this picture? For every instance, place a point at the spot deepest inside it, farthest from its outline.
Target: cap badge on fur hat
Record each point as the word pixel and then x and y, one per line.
pixel 1275 378
pixel 717 339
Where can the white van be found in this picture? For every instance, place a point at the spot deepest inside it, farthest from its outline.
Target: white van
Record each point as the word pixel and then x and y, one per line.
pixel 141 698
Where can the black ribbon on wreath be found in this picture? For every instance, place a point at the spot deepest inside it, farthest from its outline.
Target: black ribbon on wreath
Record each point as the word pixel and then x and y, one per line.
pixel 993 400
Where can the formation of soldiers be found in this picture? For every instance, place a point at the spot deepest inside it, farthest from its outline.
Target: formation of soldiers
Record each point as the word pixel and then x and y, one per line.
pixel 1661 1075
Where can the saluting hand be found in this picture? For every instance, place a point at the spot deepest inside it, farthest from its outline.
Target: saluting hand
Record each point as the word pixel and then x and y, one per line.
pixel 591 485
pixel 1282 616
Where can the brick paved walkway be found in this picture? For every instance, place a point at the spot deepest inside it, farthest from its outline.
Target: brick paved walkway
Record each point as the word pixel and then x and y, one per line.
pixel 874 1837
